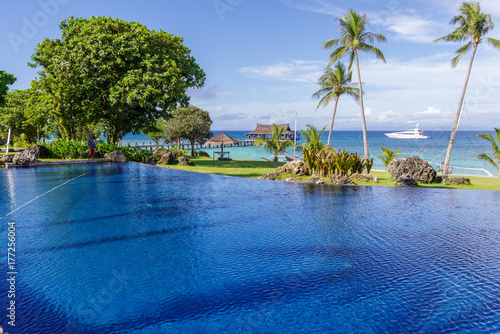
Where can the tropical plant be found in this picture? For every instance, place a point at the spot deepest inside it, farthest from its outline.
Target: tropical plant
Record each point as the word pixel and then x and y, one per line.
pixel 312 137
pixel 473 25
pixel 495 146
pixel 335 83
pixel 274 144
pixel 67 148
pixel 387 156
pixel 354 38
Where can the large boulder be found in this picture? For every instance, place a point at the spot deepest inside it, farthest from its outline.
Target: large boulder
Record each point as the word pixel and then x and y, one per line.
pixel 41 151
pixel 161 156
pixel 185 161
pixel 25 158
pixel 297 167
pixel 406 181
pixel 417 168
pixel 116 156
pixel 362 177
pixel 270 176
pixel 341 180
pixel 315 179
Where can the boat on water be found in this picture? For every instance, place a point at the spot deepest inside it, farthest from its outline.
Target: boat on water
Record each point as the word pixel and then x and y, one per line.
pixel 415 133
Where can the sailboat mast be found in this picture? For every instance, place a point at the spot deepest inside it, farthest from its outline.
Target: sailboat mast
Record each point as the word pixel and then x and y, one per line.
pixel 295 135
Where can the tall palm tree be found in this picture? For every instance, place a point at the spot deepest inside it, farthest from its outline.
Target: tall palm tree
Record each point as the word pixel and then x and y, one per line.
pixel 354 37
pixel 495 147
pixel 473 25
pixel 334 84
pixel 274 144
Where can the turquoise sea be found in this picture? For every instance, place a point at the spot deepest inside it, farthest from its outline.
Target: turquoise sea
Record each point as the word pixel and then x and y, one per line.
pixel 465 149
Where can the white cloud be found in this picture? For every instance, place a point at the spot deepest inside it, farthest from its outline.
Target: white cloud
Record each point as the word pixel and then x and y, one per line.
pixel 317 6
pixel 409 27
pixel 430 111
pixel 294 71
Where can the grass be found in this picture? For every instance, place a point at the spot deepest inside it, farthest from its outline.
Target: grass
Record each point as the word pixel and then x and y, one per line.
pixel 255 169
pixel 241 168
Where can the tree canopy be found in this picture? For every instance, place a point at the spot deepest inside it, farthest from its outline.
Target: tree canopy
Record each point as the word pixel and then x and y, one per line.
pixel 115 73
pixel 191 123
pixel 6 79
pixel 28 112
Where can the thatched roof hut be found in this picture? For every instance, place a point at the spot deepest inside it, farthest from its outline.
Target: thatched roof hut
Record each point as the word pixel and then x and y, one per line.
pixel 220 140
pixel 265 130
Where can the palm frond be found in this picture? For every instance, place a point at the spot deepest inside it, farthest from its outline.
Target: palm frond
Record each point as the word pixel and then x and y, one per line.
pixel 460 53
pixel 369 48
pixel 494 43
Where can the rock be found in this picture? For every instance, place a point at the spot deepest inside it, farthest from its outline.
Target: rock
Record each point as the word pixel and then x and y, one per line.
pixel 25 158
pixel 7 158
pixel 161 156
pixel 406 181
pixel 116 156
pixel 185 161
pixel 293 179
pixel 417 168
pixel 86 155
pixel 362 177
pixel 270 176
pixel 341 180
pixel 204 154
pixel 177 154
pixel 297 167
pixel 458 180
pixel 41 151
pixel 315 179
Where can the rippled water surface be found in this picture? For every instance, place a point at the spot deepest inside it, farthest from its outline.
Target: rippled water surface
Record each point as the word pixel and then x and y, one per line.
pixel 139 249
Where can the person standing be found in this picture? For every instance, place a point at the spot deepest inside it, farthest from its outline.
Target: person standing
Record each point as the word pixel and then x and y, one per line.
pixel 92 146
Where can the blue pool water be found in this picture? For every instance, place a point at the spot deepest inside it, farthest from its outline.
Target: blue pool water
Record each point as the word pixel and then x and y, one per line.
pixel 140 249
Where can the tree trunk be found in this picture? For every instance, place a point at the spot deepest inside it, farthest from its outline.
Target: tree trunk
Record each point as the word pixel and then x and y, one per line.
pixel 192 141
pixel 457 116
pixel 333 120
pixel 363 120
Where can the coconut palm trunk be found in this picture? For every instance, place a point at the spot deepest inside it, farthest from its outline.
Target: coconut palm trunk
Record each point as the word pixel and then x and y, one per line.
pixel 333 120
pixel 363 119
pixel 459 112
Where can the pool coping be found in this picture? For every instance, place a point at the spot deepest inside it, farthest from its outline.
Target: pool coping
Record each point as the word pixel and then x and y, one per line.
pixel 61 163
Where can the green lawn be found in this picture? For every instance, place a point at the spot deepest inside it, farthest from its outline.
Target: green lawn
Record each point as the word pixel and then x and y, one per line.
pixel 254 169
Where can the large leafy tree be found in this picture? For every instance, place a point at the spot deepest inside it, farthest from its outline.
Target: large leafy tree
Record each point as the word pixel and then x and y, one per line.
pixel 473 26
pixel 274 144
pixel 354 38
pixel 335 83
pixel 28 112
pixel 495 147
pixel 191 123
pixel 114 72
pixel 6 79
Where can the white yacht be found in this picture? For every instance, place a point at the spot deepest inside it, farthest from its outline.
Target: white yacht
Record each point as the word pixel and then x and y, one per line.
pixel 415 133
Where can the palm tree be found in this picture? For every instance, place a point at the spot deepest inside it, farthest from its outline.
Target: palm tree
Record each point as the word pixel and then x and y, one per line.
pixel 387 156
pixel 495 147
pixel 334 84
pixel 274 144
pixel 472 26
pixel 354 37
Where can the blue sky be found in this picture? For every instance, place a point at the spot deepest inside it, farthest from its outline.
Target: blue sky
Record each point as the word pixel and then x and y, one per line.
pixel 263 58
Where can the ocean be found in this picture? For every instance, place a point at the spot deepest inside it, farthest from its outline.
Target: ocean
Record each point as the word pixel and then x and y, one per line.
pixel 463 159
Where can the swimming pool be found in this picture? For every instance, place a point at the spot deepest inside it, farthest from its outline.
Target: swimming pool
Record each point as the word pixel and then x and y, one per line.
pixel 134 248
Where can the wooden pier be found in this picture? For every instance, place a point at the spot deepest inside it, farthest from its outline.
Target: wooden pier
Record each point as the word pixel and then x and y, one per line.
pixel 150 146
